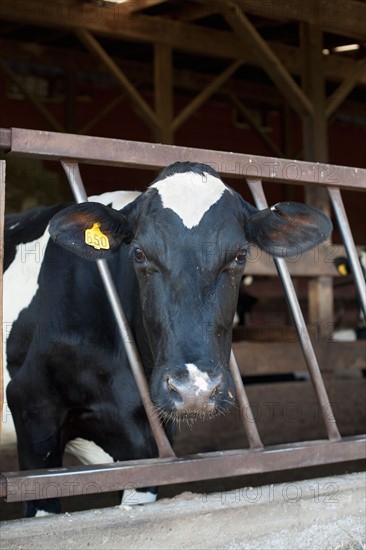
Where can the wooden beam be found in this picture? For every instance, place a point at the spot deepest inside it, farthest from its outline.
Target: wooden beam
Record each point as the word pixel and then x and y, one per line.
pixel 336 67
pixel 192 12
pixel 339 17
pixel 142 28
pixel 346 18
pixel 131 6
pixel 340 94
pixel 109 107
pixel 257 127
pixel 202 97
pixel 259 358
pixel 316 149
pixel 313 81
pixel 147 114
pixel 248 35
pixel 117 9
pixel 55 125
pixel 163 85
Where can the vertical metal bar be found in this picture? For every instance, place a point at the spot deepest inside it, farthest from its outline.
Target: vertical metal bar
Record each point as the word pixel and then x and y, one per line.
pixel 250 425
pixel 341 215
pixel 256 189
pixel 165 450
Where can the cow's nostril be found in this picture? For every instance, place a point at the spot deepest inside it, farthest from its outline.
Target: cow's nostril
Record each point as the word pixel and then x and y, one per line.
pixel 171 386
pixel 215 391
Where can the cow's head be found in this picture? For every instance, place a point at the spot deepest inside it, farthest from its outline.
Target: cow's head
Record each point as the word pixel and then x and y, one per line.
pixel 188 237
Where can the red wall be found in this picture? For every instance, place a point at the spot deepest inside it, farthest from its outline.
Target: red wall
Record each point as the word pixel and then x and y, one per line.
pixel 211 127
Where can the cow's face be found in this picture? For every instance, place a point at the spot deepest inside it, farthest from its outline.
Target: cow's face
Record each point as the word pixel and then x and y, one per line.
pixel 188 237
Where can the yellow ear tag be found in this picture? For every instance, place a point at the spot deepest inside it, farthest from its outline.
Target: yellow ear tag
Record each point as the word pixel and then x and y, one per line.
pixel 94 237
pixel 342 269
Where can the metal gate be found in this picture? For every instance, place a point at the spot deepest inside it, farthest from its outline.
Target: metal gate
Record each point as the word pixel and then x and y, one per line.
pixel 168 469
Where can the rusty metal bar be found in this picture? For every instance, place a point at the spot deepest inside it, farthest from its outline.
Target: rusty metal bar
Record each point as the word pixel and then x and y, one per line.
pixel 341 215
pixel 246 412
pixel 256 189
pixel 76 480
pixel 165 450
pixel 119 152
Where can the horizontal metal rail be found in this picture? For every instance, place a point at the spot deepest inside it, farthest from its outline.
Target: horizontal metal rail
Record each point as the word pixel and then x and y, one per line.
pixel 77 480
pixel 119 152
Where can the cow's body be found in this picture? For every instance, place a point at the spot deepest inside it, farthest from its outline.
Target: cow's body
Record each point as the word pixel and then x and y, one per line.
pixel 28 325
pixel 177 255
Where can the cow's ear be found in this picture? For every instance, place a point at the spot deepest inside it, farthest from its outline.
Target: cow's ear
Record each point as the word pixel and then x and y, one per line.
pixel 287 228
pixel 90 230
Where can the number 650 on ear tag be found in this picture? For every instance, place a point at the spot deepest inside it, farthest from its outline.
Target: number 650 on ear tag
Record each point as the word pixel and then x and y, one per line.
pixel 94 237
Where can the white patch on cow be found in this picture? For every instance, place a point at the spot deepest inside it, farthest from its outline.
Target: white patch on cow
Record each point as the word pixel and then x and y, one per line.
pixel 88 452
pixel 197 377
pixel 42 513
pixel 190 195
pixel 131 497
pixel 14 226
pixel 20 286
pixel 118 199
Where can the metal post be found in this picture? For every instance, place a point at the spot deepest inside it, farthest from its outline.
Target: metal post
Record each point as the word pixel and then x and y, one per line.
pixel 250 425
pixel 165 450
pixel 256 189
pixel 341 215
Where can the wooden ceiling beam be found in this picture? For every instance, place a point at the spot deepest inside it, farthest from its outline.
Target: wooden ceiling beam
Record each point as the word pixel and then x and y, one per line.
pixel 95 48
pixel 142 28
pixel 204 95
pixel 337 67
pixel 268 60
pixel 345 18
pixel 121 9
pixel 38 105
pixel 246 113
pixel 192 12
pixel 131 6
pixel 340 94
pixel 185 37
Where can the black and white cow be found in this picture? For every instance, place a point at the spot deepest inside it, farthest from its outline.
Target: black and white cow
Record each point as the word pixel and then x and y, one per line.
pixel 177 254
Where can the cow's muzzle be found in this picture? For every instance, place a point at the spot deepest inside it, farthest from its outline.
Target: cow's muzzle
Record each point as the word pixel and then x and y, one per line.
pixel 193 394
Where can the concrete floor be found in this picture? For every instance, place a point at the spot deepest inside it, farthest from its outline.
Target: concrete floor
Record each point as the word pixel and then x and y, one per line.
pixel 323 513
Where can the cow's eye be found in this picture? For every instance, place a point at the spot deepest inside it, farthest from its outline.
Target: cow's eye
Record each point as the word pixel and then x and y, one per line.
pixel 139 255
pixel 240 257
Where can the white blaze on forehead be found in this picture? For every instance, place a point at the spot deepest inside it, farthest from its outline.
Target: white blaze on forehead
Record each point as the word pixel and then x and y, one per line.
pixel 198 378
pixel 190 195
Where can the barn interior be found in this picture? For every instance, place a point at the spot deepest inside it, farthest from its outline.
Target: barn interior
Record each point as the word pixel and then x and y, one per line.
pixel 282 79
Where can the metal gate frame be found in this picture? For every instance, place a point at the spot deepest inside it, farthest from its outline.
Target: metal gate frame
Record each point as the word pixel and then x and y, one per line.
pixel 70 149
